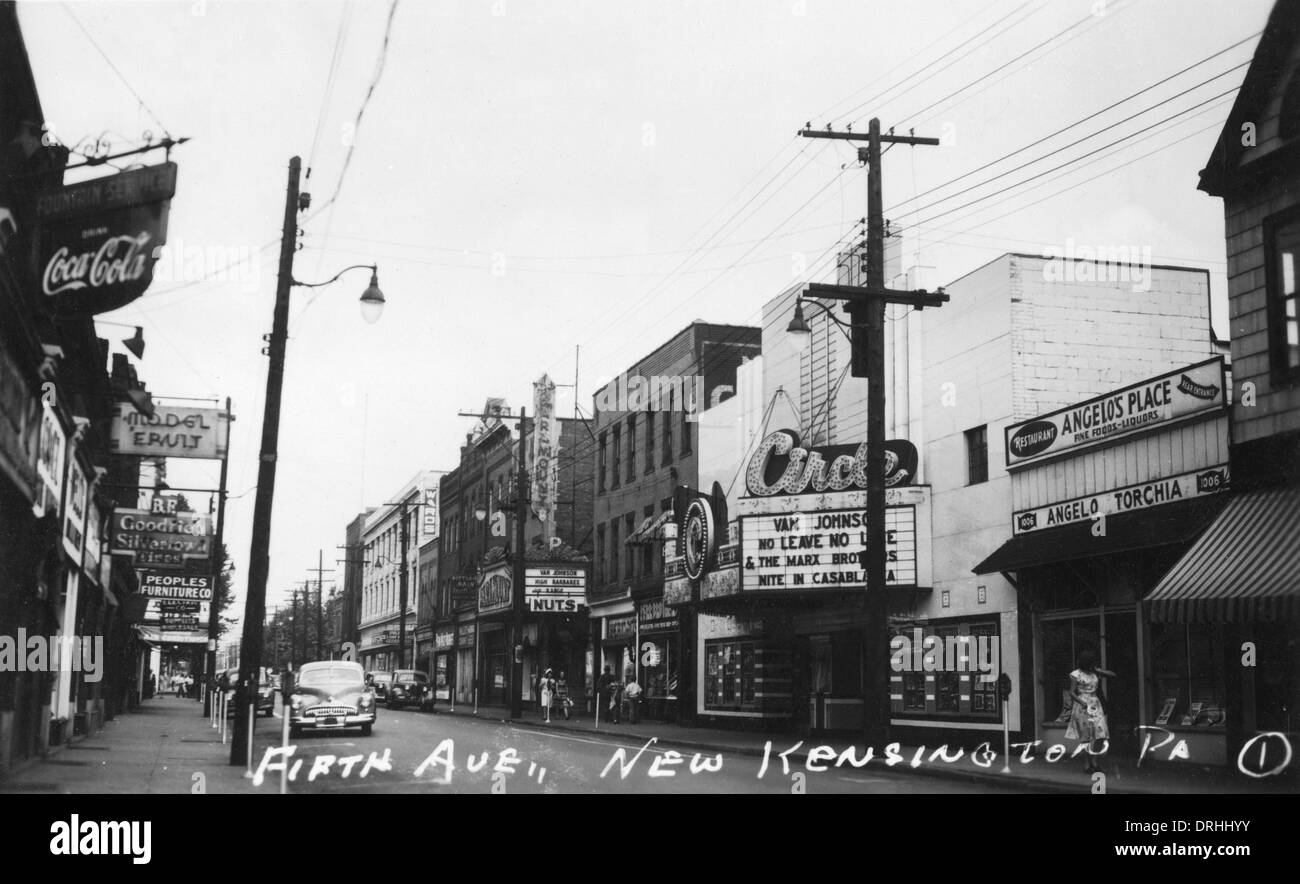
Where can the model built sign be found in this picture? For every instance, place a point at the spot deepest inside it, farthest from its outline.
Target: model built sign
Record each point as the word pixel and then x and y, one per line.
pixel 100 238
pixel 170 540
pixel 1122 500
pixel 176 587
pixel 1157 402
pixel 555 590
pixel 171 431
pixel 780 466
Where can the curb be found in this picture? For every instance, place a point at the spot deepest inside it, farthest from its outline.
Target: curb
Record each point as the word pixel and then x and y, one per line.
pixel 950 773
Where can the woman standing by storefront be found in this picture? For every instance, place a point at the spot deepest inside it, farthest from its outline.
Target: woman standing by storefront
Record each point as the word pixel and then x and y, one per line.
pixel 1088 715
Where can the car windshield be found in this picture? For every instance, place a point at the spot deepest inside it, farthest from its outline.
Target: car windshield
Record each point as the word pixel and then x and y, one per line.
pixel 411 677
pixel 330 675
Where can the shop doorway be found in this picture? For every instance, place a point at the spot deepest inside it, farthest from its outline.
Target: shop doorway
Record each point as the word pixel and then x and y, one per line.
pixel 1112 636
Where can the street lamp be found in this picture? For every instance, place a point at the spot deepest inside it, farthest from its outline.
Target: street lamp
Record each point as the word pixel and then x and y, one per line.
pixel 372 299
pixel 372 302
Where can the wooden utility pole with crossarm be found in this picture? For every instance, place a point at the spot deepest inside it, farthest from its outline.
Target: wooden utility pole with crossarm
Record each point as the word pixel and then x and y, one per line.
pixel 866 309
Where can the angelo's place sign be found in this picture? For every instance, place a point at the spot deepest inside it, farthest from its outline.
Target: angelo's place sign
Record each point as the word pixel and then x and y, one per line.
pixel 1157 402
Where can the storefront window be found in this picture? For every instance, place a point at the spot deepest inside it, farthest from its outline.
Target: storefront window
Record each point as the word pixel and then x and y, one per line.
pixel 1187 664
pixel 1062 642
pixel 984 694
pixel 914 691
pixel 729 675
pixel 1277 689
pixel 947 685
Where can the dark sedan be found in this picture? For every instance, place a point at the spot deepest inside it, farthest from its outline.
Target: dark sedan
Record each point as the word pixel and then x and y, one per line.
pixel 409 687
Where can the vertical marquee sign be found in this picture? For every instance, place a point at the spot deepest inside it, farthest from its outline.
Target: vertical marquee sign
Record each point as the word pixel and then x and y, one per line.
pixel 100 238
pixel 544 476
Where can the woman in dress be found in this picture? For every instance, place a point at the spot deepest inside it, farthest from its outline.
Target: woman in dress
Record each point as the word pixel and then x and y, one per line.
pixel 547 686
pixel 1088 716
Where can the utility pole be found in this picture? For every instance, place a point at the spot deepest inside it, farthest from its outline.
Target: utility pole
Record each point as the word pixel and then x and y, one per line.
pixel 319 571
pixel 214 606
pixel 866 307
pixel 259 559
pixel 517 573
pixel 403 589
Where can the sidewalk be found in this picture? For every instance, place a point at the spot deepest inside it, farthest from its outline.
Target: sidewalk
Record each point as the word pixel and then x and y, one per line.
pixel 1123 775
pixel 156 749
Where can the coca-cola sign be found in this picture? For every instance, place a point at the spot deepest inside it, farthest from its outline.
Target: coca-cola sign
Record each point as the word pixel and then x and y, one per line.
pixel 100 238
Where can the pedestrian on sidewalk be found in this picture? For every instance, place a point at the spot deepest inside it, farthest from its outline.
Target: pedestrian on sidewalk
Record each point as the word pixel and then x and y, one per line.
pixel 1088 715
pixel 562 694
pixel 607 693
pixel 547 690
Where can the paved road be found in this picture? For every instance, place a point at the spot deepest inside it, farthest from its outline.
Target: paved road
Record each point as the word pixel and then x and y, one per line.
pixel 420 752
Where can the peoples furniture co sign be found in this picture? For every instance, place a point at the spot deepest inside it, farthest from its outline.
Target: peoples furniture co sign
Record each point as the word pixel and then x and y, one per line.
pixel 171 431
pixel 100 238
pixel 176 587
pixel 169 540
pixel 1157 402
pixel 555 590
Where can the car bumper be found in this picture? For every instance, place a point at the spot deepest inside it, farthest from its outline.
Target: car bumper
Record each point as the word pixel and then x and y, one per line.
pixel 357 719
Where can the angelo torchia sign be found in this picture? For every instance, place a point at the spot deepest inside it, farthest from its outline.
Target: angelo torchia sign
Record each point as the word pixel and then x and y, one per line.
pixel 171 431
pixel 1157 402
pixel 158 540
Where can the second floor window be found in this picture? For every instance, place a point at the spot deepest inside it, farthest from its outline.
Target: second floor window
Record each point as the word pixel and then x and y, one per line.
pixel 649 441
pixel 600 555
pixel 1282 252
pixel 617 445
pixel 977 455
pixel 631 448
pixel 600 462
pixel 613 551
pixel 668 431
pixel 629 525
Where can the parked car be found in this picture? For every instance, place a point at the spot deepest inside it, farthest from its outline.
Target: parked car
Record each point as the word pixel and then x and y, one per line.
pixel 331 694
pixel 265 692
pixel 408 687
pixel 381 682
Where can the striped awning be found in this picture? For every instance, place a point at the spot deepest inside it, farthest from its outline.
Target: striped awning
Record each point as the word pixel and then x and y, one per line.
pixel 1246 566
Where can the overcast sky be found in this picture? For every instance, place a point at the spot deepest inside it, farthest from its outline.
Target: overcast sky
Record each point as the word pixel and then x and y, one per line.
pixel 531 177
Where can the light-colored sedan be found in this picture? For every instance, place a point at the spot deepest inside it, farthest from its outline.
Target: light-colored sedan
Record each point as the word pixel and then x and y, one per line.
pixel 331 694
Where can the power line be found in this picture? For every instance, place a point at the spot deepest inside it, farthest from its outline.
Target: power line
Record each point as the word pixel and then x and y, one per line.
pixel 1067 162
pixel 1091 116
pixel 1074 143
pixel 365 102
pixel 339 39
pixel 120 75
pixel 1090 17
pixel 951 61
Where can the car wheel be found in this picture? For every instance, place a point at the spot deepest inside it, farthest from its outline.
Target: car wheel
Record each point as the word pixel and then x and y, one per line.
pixel 365 729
